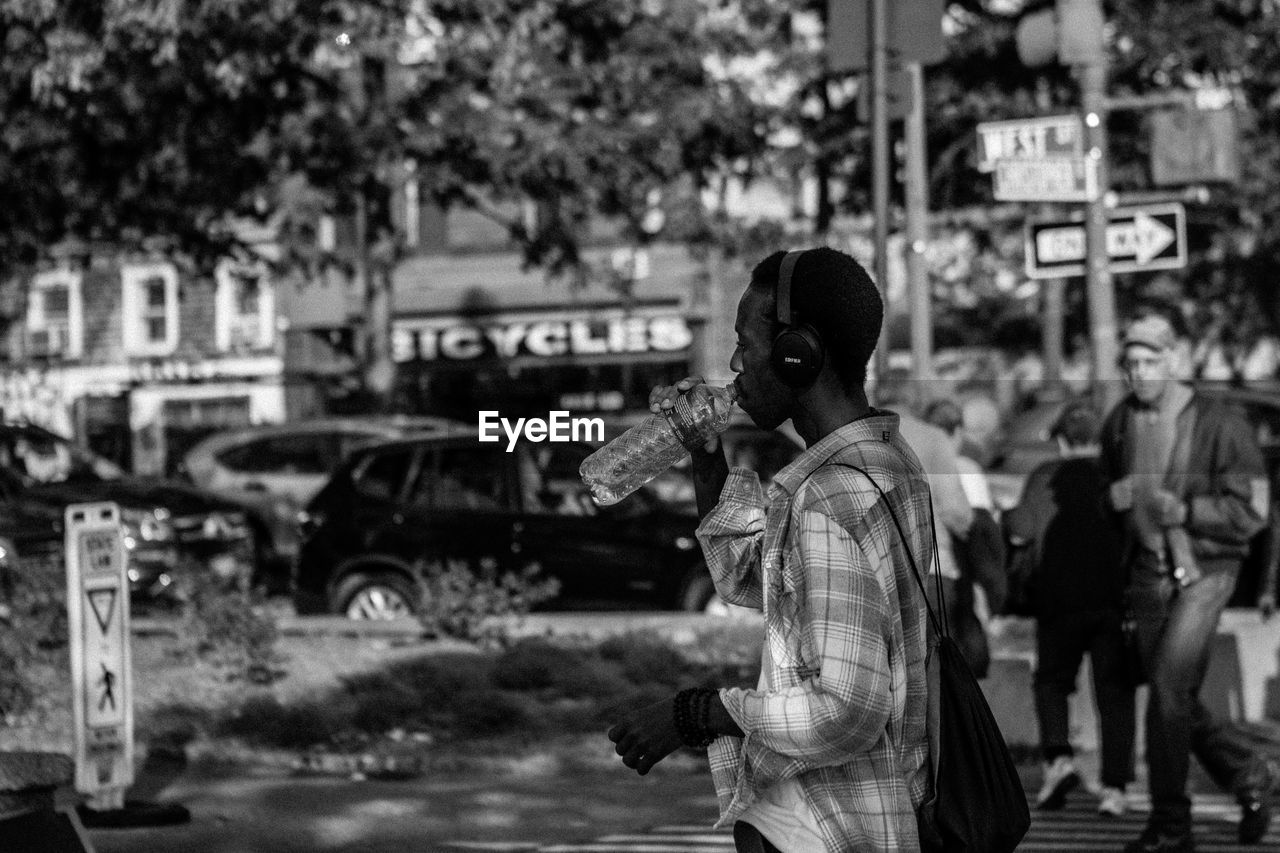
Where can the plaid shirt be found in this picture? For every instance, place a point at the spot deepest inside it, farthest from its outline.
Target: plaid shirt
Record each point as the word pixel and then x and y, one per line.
pixel 845 623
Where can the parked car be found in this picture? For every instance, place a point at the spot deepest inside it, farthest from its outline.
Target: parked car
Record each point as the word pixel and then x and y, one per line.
pixel 1029 442
pixel 274 470
pixel 394 509
pixel 169 527
pixel 31 543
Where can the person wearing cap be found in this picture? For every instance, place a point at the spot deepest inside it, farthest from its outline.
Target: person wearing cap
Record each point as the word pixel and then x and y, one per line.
pixel 1076 595
pixel 1188 490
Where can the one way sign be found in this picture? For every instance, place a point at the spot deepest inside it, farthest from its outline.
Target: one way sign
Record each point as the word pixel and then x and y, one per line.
pixel 1138 238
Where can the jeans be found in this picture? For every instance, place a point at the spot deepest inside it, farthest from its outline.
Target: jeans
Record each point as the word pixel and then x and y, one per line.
pixel 1175 628
pixel 1061 642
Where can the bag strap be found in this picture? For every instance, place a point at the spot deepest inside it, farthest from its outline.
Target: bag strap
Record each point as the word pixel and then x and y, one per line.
pixel 938 617
pixel 933 677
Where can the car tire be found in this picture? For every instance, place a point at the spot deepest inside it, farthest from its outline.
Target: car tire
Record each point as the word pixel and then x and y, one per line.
pixel 698 594
pixel 376 595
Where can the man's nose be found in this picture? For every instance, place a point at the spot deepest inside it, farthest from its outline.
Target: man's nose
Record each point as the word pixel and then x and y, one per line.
pixel 735 361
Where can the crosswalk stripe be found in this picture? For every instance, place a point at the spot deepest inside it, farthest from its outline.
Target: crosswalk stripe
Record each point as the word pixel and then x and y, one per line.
pixel 1076 828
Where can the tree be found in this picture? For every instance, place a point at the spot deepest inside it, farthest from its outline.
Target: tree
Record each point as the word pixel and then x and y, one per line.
pixel 154 120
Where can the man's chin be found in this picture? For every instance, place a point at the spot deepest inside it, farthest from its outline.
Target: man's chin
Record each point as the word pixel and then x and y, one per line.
pixel 766 420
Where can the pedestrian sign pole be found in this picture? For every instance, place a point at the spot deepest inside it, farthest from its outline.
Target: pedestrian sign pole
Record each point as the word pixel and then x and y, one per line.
pixel 101 666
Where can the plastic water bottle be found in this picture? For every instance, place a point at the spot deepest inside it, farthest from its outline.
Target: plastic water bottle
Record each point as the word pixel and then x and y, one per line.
pixel 656 443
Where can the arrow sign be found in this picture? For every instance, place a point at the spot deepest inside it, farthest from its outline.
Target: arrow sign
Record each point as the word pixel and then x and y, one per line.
pixel 1138 239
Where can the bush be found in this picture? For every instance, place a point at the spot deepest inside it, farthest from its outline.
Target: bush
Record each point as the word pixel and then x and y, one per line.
pixel 264 720
pixel 538 665
pixel 486 712
pixel 457 601
pixel 382 702
pixel 645 658
pixel 233 629
pixel 533 665
pixel 33 622
pixel 436 676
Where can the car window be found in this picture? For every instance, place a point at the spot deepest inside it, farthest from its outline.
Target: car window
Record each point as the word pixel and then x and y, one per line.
pixel 300 453
pixel 382 476
pixel 549 481
pixel 347 441
pixel 464 478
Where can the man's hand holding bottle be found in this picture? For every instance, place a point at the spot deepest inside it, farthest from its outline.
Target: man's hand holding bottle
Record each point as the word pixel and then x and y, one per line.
pixel 662 399
pixel 710 467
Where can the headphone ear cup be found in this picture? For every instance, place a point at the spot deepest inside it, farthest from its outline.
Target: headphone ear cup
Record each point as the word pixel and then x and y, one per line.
pixel 798 356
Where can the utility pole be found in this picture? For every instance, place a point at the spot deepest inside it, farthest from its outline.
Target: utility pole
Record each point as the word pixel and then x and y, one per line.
pixel 917 197
pixel 1103 327
pixel 1053 313
pixel 1082 44
pixel 878 28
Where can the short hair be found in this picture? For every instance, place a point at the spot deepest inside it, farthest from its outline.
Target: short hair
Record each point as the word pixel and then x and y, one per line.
pixel 1079 424
pixel 946 415
pixel 832 292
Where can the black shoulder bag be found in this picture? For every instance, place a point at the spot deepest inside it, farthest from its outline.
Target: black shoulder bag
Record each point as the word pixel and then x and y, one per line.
pixel 978 803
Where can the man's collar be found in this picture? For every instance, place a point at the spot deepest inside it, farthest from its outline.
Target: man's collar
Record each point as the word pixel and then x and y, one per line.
pixel 876 425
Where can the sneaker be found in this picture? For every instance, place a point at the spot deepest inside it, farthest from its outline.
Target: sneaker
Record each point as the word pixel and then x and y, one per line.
pixel 1113 803
pixel 1154 841
pixel 1253 791
pixel 1255 818
pixel 1060 779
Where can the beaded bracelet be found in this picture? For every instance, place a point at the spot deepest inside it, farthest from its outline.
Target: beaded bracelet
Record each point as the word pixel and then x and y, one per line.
pixel 692 711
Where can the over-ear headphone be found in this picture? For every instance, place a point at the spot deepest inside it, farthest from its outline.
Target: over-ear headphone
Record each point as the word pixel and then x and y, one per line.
pixel 798 353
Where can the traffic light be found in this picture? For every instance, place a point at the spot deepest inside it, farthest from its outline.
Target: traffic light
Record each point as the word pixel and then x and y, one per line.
pixel 915 33
pixel 1070 33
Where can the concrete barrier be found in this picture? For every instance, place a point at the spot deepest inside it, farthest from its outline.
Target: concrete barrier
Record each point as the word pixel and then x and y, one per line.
pixel 1243 680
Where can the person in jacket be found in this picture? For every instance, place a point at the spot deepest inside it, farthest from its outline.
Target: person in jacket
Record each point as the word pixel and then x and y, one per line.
pixel 1187 485
pixel 1076 595
pixel 830 752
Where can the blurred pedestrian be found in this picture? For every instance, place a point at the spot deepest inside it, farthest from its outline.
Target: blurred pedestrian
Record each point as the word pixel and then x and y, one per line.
pixel 981 553
pixel 1188 486
pixel 830 753
pixel 1076 595
pixel 952 513
pixel 947 416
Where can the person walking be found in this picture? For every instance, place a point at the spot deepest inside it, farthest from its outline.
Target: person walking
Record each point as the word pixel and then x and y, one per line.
pixel 1186 482
pixel 1076 595
pixel 952 512
pixel 830 753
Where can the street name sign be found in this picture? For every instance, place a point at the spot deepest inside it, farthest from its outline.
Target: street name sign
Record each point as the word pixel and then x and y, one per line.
pixel 1046 136
pixel 101 666
pixel 1069 179
pixel 1153 237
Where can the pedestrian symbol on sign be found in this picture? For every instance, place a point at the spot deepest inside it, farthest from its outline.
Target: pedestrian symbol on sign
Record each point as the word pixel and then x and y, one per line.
pixel 108 684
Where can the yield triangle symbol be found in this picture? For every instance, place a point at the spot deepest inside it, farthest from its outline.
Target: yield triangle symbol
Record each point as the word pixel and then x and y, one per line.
pixel 103 603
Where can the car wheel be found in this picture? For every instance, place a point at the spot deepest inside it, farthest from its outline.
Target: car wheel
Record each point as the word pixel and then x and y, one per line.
pixel 376 595
pixel 699 594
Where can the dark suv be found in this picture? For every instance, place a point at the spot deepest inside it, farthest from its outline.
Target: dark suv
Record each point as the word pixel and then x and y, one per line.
pixel 392 510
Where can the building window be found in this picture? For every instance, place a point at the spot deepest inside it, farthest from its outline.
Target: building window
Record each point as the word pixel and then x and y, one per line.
pixel 55 315
pixel 150 309
pixel 245 313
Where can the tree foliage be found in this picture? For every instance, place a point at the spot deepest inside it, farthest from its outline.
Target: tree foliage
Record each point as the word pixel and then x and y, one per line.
pixel 165 120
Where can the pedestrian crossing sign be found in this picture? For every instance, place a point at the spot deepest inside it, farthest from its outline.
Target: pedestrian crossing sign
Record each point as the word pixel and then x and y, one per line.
pixel 101 671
